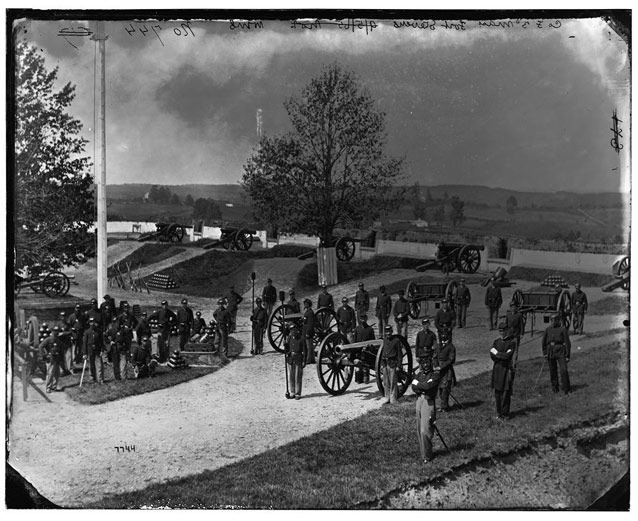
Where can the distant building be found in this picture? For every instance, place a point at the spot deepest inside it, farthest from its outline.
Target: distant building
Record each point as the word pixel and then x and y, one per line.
pixel 420 223
pixel 229 205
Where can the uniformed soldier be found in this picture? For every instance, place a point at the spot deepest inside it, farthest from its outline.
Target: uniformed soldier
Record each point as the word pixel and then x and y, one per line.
pixel 92 351
pixel 165 320
pixel 425 342
pixel 269 296
pixel 390 364
pixel 556 349
pixel 493 302
pixel 223 321
pixel 293 302
pixel 425 386
pixel 446 357
pixel 143 364
pixel 234 299
pixel 514 321
pixel 94 313
pixel 78 322
pixel 116 338
pixel 401 314
pixel 185 319
pixel 51 351
pixel 108 310
pixel 66 341
pixel 296 356
pixel 199 327
pixel 504 353
pixel 383 310
pixel 361 302
pixel 346 319
pixel 579 308
pixel 462 300
pixel 444 320
pixel 325 299
pixel 127 322
pixel 308 330
pixel 259 319
pixel 363 333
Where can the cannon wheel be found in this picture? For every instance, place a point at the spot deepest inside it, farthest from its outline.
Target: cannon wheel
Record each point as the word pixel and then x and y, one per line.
pixel 469 259
pixel 243 240
pixel 344 248
pixel 564 308
pixel 226 241
pixel 175 233
pixel 517 298
pixel 55 284
pixel 412 293
pixel 277 328
pixel 405 371
pixel 325 323
pixel 334 375
pixel 450 293
pixel 623 268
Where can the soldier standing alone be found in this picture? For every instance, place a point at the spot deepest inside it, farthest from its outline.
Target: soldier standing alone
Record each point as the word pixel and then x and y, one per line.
pixel 446 357
pixel 165 320
pixel 361 302
pixel 579 308
pixel 383 310
pixel 185 320
pixel 390 364
pixel 258 320
pixel 504 353
pixel 401 314
pixel 493 301
pixel 234 299
pixel 462 299
pixel 269 296
pixel 296 358
pixel 222 319
pixel 92 351
pixel 325 299
pixel 51 352
pixel 556 349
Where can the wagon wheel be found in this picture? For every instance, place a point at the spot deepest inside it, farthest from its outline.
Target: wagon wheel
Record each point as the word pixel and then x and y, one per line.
pixel 334 370
pixel 623 268
pixel 404 371
pixel 325 322
pixel 277 328
pixel 450 294
pixel 468 260
pixel 243 240
pixel 517 298
pixel 412 293
pixel 345 249
pixel 564 308
pixel 55 284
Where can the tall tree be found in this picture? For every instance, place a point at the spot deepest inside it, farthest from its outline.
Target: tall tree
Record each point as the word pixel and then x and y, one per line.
pixel 511 204
pixel 175 200
pixel 189 200
pixel 55 204
pixel 331 170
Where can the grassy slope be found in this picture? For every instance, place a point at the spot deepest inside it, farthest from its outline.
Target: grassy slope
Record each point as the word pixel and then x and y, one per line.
pixel 361 460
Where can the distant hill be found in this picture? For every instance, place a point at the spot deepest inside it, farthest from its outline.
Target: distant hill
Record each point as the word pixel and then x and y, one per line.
pixel 221 193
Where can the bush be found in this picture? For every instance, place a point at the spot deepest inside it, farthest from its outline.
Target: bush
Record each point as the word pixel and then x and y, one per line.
pixel 289 250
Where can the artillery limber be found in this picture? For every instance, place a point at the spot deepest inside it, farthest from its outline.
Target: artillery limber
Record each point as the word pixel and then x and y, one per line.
pixel 450 256
pixel 282 317
pixel 53 284
pixel 620 269
pixel 234 239
pixel 338 361
pixel 545 302
pixel 165 232
pixel 344 248
pixel 417 293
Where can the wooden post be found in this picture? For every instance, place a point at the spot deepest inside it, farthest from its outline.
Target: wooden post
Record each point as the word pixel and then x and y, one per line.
pixel 327 266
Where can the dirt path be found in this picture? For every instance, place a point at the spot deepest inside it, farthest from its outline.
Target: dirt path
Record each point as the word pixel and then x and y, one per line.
pixel 68 451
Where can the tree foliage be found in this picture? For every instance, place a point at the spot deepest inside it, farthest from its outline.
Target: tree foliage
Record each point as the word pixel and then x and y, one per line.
pixel 331 170
pixel 457 212
pixel 189 201
pixel 206 210
pixel 511 204
pixel 55 200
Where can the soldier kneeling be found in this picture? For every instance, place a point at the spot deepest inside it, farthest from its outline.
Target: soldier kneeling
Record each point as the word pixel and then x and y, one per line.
pixel 143 363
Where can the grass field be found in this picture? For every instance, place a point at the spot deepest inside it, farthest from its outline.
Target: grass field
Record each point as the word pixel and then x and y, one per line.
pixel 360 461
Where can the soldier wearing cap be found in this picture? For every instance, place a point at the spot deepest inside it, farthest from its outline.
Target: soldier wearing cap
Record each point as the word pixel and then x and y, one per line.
pixel 78 323
pixel 557 349
pixel 293 302
pixel 269 296
pixel 324 300
pixel 92 351
pixel 445 319
pixel 425 386
pixel 308 330
pixel 234 299
pixel 66 342
pixel 184 323
pixel 361 302
pixel 504 353
pixel 296 356
pixel 199 327
pixel 116 340
pixel 363 333
pixel 143 363
pixel 346 319
pixel 401 314
pixel 425 342
pixel 51 351
pixel 165 320
pixel 493 302
pixel 579 308
pixel 222 320
pixel 446 357
pixel 462 300
pixel 259 319
pixel 383 310
pixel 514 321
pixel 127 322
pixel 94 313
pixel 390 364
pixel 108 310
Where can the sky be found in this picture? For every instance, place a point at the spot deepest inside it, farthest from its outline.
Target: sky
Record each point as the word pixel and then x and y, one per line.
pixel 523 107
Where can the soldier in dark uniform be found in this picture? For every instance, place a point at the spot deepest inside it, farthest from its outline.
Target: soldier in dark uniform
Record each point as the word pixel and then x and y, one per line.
pixel 92 351
pixel 293 302
pixel 401 314
pixel 66 341
pixel 165 320
pixel 444 320
pixel 383 310
pixel 446 357
pixel 184 323
pixel 296 356
pixel 425 386
pixel 579 308
pixel 504 353
pixel 78 323
pixel 108 310
pixel 143 364
pixel 199 327
pixel 95 314
pixel 259 320
pixel 127 322
pixel 346 319
pixel 363 333
pixel 462 300
pixel 234 299
pixel 51 351
pixel 308 330
pixel 556 349
pixel 390 364
pixel 269 296
pixel 425 342
pixel 361 302
pixel 222 319
pixel 325 299
pixel 493 302
pixel 514 320
pixel 116 338
pixel 143 329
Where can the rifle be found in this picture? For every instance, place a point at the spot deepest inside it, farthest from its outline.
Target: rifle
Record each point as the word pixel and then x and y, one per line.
pixel 436 429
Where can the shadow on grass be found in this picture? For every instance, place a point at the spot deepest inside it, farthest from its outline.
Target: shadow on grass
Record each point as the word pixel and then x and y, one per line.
pixel 517 413
pixel 461 362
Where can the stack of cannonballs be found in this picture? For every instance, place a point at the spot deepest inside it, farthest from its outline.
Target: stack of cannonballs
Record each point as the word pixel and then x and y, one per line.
pixel 44 332
pixel 555 280
pixel 177 361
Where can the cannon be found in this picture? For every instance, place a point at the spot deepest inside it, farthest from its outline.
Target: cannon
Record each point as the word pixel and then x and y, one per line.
pixel 418 292
pixel 620 269
pixel 344 248
pixel 278 325
pixel 53 284
pixel 165 232
pixel 234 239
pixel 337 361
pixel 465 258
pixel 545 302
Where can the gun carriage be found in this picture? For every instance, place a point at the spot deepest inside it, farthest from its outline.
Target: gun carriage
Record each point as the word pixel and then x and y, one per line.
pixel 417 293
pixel 165 232
pixel 53 284
pixel 545 302
pixel 450 256
pixel 344 248
pixel 338 360
pixel 620 269
pixel 281 318
pixel 234 239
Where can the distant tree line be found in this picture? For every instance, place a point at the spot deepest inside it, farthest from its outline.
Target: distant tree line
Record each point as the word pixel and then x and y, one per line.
pixel 427 208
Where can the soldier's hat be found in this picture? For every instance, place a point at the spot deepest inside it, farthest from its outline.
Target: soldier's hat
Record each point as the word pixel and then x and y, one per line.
pixel 463 280
pixel 77 306
pixel 344 299
pixel 126 305
pixel 324 286
pixel 307 301
pixel 360 284
pixel 425 321
pixel 502 325
pixel 382 288
pixel 258 300
pixel 63 313
pixel 199 313
pixel 220 300
pixel 363 316
pixel 269 280
pixel 388 328
pixel 107 297
pixel 555 316
pixel 143 313
pixel 184 301
pixel 93 300
pixel 91 319
pixel 294 325
pixel 164 303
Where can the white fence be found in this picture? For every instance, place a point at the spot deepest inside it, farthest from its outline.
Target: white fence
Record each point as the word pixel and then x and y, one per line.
pixel 572 261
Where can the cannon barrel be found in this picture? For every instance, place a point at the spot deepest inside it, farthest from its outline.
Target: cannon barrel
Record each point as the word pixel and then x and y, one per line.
pixel 357 346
